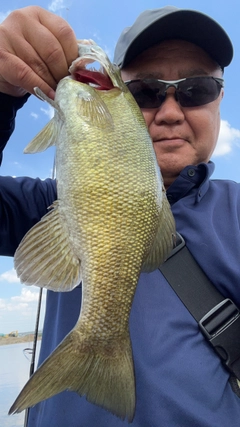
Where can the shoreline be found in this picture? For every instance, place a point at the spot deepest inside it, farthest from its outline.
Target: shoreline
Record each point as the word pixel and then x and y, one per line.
pixel 18 340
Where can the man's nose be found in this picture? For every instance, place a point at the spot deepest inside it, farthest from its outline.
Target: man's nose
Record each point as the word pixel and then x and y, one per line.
pixel 170 110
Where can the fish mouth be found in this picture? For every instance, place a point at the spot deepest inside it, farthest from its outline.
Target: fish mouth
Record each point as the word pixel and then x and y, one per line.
pixel 106 78
pixel 97 79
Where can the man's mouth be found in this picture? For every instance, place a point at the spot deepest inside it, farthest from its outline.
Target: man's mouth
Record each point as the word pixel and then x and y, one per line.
pixel 171 139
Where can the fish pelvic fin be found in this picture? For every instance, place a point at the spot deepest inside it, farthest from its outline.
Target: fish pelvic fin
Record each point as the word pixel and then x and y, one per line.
pixel 103 375
pixel 45 257
pixel 164 239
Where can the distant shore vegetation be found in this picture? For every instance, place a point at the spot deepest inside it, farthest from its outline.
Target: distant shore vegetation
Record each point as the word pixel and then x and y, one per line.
pixel 28 337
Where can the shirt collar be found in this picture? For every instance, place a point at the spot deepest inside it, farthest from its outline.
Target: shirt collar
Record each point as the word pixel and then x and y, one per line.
pixel 191 177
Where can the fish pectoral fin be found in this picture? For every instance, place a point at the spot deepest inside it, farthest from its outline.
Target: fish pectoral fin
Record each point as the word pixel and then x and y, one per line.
pixel 45 258
pixel 104 376
pixel 164 239
pixel 44 139
pixel 93 110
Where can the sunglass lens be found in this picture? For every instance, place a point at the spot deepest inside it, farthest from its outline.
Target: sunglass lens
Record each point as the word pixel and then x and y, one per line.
pixel 147 93
pixel 198 91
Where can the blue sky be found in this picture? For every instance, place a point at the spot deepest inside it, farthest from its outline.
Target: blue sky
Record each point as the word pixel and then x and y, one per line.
pixel 103 21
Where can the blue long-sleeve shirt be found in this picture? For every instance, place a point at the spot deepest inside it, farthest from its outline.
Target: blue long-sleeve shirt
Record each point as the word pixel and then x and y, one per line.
pixel 180 381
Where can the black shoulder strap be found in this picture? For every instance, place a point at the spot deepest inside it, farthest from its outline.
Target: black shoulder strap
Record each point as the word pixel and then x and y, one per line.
pixel 217 316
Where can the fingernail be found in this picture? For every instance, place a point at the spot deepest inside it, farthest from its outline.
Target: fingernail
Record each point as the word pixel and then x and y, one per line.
pixel 51 94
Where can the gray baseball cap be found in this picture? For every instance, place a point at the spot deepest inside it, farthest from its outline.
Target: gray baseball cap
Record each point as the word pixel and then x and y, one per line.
pixel 170 22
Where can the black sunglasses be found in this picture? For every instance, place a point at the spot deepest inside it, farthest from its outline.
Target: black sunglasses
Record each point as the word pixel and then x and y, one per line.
pixel 190 92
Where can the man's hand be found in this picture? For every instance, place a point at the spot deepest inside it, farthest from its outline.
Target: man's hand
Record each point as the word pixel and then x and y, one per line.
pixel 36 49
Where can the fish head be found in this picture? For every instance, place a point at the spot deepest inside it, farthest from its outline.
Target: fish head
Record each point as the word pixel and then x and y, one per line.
pixel 92 95
pixel 108 76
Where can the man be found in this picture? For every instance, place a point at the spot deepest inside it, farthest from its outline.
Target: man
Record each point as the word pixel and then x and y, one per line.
pixel 180 381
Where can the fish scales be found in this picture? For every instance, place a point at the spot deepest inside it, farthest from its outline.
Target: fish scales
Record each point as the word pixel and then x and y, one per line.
pixel 111 221
pixel 120 193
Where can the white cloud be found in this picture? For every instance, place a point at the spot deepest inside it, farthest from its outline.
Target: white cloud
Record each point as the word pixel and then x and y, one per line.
pixel 34 115
pixel 9 276
pixel 228 136
pixel 48 111
pixel 24 303
pixel 57 5
pixel 27 295
pixel 3 15
pixel 2 304
pixel 19 312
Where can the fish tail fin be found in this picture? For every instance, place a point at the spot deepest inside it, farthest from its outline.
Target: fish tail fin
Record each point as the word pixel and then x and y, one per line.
pixel 105 377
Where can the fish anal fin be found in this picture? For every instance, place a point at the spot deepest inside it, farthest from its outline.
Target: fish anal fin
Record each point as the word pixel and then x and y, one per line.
pixel 164 239
pixel 45 258
pixel 105 377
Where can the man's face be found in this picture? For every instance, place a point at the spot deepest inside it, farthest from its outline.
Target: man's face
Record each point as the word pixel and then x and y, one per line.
pixel 181 135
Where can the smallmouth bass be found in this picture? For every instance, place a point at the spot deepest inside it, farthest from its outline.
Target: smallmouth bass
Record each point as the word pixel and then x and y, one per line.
pixel 111 221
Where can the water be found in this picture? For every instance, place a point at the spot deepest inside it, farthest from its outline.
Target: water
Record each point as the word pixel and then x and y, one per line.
pixel 14 372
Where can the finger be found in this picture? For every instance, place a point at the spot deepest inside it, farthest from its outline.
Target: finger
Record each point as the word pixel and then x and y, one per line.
pixel 64 34
pixel 41 39
pixel 30 56
pixel 53 40
pixel 17 74
pixel 48 59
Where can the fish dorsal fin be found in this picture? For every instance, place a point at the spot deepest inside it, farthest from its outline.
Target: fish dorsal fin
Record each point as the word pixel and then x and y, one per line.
pixel 49 134
pixel 44 139
pixel 93 109
pixel 41 95
pixel 45 258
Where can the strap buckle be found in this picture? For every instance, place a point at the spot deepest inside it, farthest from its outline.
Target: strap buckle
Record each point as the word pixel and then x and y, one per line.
pixel 221 327
pixel 179 244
